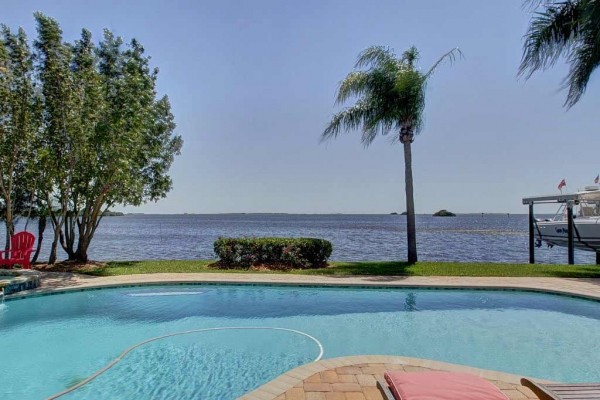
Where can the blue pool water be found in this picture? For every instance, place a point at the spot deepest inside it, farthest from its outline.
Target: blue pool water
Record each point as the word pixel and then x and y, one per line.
pixel 50 343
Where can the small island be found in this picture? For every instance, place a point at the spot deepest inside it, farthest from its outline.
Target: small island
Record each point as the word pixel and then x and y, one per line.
pixel 444 213
pixel 394 213
pixel 109 213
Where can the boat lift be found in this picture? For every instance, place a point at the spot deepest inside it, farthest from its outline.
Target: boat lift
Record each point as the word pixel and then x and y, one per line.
pixel 569 201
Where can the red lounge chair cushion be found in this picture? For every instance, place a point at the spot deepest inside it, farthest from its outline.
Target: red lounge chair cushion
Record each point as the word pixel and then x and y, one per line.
pixel 437 385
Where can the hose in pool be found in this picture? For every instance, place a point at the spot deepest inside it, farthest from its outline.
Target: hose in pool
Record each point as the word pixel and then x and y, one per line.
pixel 135 346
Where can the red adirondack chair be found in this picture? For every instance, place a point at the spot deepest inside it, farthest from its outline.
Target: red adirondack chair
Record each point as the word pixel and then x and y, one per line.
pixel 21 246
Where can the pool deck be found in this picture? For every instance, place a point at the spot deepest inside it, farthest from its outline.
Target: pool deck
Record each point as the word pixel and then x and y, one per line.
pixel 355 378
pixel 584 287
pixel 345 378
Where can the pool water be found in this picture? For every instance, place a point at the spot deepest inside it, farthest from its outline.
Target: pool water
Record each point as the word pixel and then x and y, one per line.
pixel 50 343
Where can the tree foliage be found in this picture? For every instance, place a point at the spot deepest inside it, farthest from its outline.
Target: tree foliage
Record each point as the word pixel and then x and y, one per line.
pixel 564 29
pixel 19 122
pixel 103 136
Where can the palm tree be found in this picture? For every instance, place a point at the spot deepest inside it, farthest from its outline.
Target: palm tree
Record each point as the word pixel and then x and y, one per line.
pixel 390 97
pixel 567 29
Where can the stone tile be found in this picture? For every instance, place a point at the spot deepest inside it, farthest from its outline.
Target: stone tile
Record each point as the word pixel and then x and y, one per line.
pixel 280 397
pixel 410 368
pixel 393 367
pixel 317 387
pixel 348 370
pixel 335 396
pixel 260 394
pixel 373 370
pixel 355 396
pixel 316 378
pixel 315 396
pixel 527 392
pixel 372 393
pixel 295 394
pixel 347 378
pixel 514 394
pixel 277 386
pixel 329 376
pixel 366 380
pixel 503 385
pixel 346 387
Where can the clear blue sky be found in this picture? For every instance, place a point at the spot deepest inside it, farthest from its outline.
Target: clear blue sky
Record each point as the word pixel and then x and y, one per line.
pixel 252 86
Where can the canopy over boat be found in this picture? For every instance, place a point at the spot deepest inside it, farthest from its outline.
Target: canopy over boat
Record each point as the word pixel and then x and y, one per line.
pixel 592 193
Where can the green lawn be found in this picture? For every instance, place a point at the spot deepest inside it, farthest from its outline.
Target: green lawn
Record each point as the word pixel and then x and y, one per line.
pixel 364 268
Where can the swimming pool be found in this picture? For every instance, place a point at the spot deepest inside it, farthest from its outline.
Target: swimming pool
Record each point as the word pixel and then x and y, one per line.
pixel 53 342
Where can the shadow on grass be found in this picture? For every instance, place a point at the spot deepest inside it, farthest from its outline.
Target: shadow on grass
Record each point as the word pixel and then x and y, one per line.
pixel 581 272
pixel 386 268
pixel 368 268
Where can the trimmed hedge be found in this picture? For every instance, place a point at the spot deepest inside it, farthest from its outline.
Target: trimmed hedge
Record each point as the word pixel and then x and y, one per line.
pixel 286 252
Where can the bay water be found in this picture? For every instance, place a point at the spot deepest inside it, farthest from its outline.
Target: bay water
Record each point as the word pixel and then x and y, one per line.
pixel 466 237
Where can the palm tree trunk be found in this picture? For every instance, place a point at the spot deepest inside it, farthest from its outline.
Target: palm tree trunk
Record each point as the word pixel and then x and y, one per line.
pixel 411 229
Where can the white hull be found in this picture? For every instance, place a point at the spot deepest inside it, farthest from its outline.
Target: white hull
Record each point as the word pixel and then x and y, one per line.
pixel 586 235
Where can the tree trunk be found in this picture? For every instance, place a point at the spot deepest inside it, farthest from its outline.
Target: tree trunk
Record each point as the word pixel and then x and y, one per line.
pixel 82 247
pixel 411 229
pixel 10 228
pixel 41 228
pixel 53 249
pixel 7 243
pixel 67 241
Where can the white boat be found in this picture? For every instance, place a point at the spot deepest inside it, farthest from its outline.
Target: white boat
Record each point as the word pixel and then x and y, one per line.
pixel 586 221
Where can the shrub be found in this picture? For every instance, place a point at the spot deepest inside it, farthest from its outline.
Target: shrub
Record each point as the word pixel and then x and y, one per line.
pixel 282 252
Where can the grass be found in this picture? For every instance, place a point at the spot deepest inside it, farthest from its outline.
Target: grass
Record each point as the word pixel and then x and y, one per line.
pixel 389 268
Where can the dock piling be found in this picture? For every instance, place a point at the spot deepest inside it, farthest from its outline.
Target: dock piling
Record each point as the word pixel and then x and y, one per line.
pixel 570 232
pixel 531 236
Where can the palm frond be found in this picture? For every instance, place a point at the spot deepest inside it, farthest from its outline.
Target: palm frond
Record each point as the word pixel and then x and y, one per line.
pixel 584 59
pixel 450 56
pixel 349 119
pixel 375 56
pixel 374 128
pixel 390 95
pixel 531 5
pixel 550 33
pixel 356 83
pixel 410 56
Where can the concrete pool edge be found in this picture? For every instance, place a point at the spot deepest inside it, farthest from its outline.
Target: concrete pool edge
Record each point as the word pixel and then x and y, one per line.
pixel 295 377
pixel 56 282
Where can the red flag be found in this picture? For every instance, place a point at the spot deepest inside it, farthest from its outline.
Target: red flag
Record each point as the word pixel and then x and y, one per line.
pixel 562 184
pixel 597 179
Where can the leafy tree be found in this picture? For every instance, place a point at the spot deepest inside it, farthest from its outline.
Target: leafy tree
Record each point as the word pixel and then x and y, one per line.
pixel 56 157
pixel 94 134
pixel 19 122
pixel 390 97
pixel 568 29
pixel 128 136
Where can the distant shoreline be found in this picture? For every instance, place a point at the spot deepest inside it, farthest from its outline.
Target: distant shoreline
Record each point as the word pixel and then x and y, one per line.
pixel 388 214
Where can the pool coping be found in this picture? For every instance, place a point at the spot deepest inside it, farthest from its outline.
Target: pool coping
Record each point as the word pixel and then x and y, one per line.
pixel 55 283
pixel 293 377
